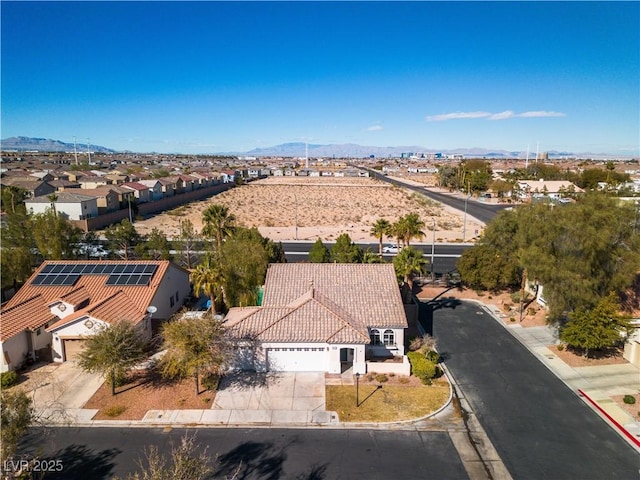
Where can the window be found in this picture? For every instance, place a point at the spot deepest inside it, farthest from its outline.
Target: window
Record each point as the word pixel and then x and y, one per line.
pixel 375 337
pixel 389 337
pixel 176 296
pixel 171 302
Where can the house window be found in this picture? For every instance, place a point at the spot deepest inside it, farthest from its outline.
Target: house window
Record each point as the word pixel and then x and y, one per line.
pixel 176 296
pixel 389 337
pixel 171 302
pixel 38 331
pixel 375 336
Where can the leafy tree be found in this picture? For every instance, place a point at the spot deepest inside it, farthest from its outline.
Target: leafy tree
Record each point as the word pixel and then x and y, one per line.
pixel 408 264
pixel 380 229
pixel 218 223
pixel 161 173
pixel 155 246
pixel 13 198
pixel 369 256
pixel 345 251
pixel 275 251
pixel 598 328
pixel 413 226
pixel 122 237
pixel 195 346
pixel 187 240
pixel 185 463
pixel 55 236
pixel 112 351
pixel 16 416
pixel 319 253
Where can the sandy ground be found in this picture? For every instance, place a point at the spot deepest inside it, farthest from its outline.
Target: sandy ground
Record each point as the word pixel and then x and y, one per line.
pixel 321 208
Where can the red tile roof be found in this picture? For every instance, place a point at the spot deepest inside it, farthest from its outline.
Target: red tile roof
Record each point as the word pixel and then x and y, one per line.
pixel 30 314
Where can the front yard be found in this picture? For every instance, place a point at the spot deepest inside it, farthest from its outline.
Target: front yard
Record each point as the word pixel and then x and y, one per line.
pixel 146 390
pixel 399 398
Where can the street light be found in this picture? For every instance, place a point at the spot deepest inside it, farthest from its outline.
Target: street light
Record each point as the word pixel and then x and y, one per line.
pixel 433 246
pixel 295 199
pixel 357 390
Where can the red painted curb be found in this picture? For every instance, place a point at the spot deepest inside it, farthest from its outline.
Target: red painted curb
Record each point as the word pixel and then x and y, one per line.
pixel 633 439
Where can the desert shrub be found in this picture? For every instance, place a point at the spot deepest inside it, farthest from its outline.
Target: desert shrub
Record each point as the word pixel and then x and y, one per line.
pixel 506 307
pixel 432 356
pixel 392 374
pixel 424 343
pixel 369 377
pixel 515 297
pixel 560 347
pixel 8 379
pixel 531 311
pixel 114 410
pixel 381 378
pixel 210 382
pixel 422 368
pixel 403 379
pixel 512 319
pixel 629 399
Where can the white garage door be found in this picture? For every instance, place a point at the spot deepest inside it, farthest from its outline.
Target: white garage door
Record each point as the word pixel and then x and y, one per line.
pixel 297 359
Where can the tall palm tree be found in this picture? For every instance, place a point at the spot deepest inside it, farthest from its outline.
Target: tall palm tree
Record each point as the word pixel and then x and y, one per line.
pixel 408 264
pixel 397 231
pixel 209 279
pixel 218 223
pixel 413 227
pixel 379 229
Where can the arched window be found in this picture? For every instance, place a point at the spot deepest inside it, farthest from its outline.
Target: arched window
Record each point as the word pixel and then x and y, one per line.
pixel 375 336
pixel 389 337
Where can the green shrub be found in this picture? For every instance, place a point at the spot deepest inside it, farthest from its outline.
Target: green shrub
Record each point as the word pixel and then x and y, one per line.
pixel 629 399
pixel 381 378
pixel 8 379
pixel 560 347
pixel 515 297
pixel 114 410
pixel 210 382
pixel 422 368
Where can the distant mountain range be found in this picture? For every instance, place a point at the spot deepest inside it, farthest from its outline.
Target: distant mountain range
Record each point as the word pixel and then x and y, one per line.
pixel 298 149
pixel 29 144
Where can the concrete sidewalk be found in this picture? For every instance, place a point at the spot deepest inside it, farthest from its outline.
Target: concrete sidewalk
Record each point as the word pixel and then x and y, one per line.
pixel 595 384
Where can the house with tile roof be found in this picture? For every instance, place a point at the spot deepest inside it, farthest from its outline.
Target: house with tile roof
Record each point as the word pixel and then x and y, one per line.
pixel 323 317
pixel 65 301
pixel 73 204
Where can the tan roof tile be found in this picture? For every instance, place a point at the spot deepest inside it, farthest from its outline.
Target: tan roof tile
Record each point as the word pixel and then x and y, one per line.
pixel 29 314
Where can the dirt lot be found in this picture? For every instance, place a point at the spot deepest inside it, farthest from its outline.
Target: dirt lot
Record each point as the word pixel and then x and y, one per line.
pixel 148 391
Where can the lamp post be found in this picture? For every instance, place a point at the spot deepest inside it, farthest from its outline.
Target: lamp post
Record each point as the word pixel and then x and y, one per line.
pixel 295 199
pixel 433 247
pixel 464 228
pixel 357 390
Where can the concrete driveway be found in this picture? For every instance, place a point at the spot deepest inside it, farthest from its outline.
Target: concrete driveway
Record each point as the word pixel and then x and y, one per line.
pixel 299 391
pixel 60 387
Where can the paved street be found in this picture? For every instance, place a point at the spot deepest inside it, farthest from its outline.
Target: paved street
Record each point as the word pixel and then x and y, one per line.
pixel 98 453
pixel 540 428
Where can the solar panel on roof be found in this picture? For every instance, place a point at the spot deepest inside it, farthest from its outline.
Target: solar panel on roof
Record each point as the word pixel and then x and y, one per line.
pixel 67 268
pixel 109 268
pixel 129 268
pixel 69 279
pixel 46 268
pixel 143 280
pixel 48 280
pixel 38 279
pixel 139 268
pixel 77 268
pixel 57 268
pixel 150 268
pixel 118 268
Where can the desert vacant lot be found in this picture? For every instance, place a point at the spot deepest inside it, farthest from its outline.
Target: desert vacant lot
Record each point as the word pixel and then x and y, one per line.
pixel 322 207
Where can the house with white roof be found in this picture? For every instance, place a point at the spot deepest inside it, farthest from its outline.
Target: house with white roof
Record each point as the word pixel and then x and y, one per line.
pixel 74 206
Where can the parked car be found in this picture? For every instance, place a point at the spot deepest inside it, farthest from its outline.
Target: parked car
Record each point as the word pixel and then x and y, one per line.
pixel 391 249
pixel 94 251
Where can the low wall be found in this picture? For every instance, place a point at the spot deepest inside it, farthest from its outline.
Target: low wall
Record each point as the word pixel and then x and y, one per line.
pixel 148 208
pixel 397 368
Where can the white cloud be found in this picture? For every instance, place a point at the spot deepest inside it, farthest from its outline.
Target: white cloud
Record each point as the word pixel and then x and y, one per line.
pixel 492 116
pixel 542 113
pixel 502 115
pixel 375 128
pixel 456 115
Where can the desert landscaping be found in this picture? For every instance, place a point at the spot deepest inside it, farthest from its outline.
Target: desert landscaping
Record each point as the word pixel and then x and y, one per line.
pixel 322 207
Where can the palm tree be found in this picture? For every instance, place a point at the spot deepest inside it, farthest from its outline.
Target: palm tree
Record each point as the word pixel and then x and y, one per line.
pixel 413 228
pixel 208 279
pixel 53 198
pixel 397 229
pixel 408 264
pixel 218 223
pixel 379 229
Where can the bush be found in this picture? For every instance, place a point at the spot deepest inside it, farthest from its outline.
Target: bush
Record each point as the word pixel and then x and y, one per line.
pixel 210 382
pixel 114 410
pixel 8 379
pixel 381 378
pixel 432 356
pixel 629 399
pixel 560 347
pixel 422 368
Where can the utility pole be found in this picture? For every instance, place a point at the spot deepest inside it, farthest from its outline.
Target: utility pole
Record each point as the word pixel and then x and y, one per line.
pixel 89 150
pixel 433 247
pixel 75 150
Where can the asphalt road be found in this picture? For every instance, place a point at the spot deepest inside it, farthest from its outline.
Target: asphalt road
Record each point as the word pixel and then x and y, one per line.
pixel 539 427
pixel 484 212
pixel 275 454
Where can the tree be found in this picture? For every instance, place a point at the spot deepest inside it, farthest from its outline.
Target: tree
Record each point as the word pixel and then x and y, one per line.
pixel 185 463
pixel 598 328
pixel 368 256
pixel 218 223
pixel 155 246
pixel 195 346
pixel 208 278
pixel 122 237
pixel 13 198
pixel 408 264
pixel 55 236
pixel 412 228
pixel 16 416
pixel 319 253
pixel 187 239
pixel 345 251
pixel 380 229
pixel 112 351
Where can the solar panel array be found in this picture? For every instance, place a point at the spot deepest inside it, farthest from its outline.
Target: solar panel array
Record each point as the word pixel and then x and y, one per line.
pixel 66 274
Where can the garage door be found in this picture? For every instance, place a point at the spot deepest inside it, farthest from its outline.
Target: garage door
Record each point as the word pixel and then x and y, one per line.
pixel 297 359
pixel 72 348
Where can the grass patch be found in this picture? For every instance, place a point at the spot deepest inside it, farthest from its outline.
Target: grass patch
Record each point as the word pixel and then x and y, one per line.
pixel 114 410
pixel 387 404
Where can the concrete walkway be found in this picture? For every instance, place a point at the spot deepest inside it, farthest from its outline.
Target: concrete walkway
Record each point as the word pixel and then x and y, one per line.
pixel 596 384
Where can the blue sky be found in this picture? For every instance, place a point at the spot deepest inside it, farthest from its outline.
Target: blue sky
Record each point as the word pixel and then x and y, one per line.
pixel 207 77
